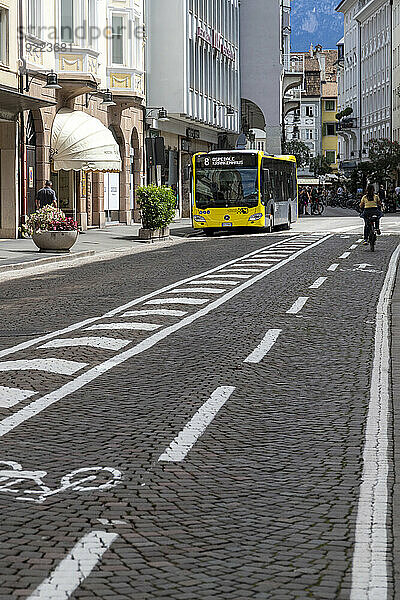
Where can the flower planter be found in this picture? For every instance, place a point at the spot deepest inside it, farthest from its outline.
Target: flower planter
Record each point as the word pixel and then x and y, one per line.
pixel 55 241
pixel 153 235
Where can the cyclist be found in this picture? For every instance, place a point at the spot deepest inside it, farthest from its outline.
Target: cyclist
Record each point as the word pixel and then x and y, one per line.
pixel 371 205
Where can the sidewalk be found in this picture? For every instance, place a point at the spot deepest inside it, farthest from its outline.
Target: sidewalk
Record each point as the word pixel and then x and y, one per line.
pixel 20 254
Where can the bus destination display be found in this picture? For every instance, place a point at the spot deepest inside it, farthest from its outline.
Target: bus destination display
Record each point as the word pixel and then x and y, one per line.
pixel 226 161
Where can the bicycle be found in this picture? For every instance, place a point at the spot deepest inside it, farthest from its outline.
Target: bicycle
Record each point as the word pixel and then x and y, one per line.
pixel 372 224
pixel 317 207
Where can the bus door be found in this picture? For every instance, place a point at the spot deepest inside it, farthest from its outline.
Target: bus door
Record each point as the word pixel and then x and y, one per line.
pixel 266 193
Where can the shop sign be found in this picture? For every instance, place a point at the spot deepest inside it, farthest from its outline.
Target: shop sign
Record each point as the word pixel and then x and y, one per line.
pixel 192 134
pixel 31 177
pixel 217 41
pixel 185 145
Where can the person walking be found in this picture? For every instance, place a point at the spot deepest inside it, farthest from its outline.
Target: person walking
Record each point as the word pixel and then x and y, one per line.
pixel 46 196
pixel 382 197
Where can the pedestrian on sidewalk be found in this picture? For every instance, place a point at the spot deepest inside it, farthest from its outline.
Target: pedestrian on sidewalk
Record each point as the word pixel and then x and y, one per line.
pixel 46 196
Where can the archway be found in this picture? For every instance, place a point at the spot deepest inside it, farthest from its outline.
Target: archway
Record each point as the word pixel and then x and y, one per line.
pixel 31 170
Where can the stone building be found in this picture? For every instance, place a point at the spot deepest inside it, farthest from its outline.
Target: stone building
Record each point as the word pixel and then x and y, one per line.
pixel 96 48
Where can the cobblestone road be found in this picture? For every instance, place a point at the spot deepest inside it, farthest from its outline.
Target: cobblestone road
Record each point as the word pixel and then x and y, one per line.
pixel 188 424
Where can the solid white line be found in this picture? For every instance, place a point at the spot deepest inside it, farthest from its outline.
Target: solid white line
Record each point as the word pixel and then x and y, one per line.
pixel 162 312
pixel 9 397
pixel 75 567
pixel 119 309
pixel 178 301
pixel 297 306
pixel 333 267
pixel 264 347
pixel 214 281
pixel 345 255
pixel 49 365
pixel 36 407
pixel 370 558
pixel 124 326
pixel 206 290
pixel 317 284
pixel 186 439
pixel 91 342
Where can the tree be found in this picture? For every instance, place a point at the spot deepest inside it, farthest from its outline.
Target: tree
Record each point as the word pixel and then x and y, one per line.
pixel 384 159
pixel 319 165
pixel 298 149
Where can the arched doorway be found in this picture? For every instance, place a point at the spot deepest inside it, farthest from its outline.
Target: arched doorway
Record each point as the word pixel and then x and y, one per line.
pixel 112 187
pixel 31 174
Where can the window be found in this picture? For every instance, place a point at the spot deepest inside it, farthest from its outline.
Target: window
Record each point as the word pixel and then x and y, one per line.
pixel 4 36
pixel 117 40
pixel 330 105
pixel 33 17
pixel 309 111
pixel 330 128
pixel 309 134
pixel 330 156
pixel 67 21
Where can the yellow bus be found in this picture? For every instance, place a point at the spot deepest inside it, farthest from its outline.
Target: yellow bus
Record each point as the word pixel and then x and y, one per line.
pixel 243 188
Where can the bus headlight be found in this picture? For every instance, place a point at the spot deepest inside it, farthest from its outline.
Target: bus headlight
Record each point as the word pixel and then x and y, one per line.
pixel 256 217
pixel 199 219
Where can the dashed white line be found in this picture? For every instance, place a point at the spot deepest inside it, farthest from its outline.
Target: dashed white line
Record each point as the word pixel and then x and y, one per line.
pixel 104 343
pixel 49 365
pixel 206 290
pixel 36 407
pixel 9 397
pixel 264 347
pixel 190 301
pixel 345 255
pixel 298 305
pixel 371 551
pixel 333 267
pixel 124 327
pixel 162 312
pixel 186 439
pixel 317 284
pixel 75 567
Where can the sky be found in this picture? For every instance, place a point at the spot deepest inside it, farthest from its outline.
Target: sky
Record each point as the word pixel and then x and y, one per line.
pixel 315 22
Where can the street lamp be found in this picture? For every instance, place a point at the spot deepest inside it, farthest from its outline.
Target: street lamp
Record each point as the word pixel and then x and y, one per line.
pixel 51 80
pixel 162 112
pixel 108 99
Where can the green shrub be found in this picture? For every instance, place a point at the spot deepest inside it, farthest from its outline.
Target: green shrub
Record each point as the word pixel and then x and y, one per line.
pixel 157 205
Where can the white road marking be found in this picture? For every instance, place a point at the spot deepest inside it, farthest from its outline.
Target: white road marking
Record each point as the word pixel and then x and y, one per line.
pixel 186 439
pixel 241 270
pixel 235 276
pixel 206 290
pixel 92 342
pixel 371 551
pixel 162 312
pixel 333 267
pixel 264 347
pixel 49 365
pixel 345 255
pixel 260 260
pixel 124 326
pixel 353 247
pixel 297 306
pixel 179 301
pixel 360 240
pixel 124 307
pixel 37 406
pixel 9 397
pixel 215 281
pixel 75 567
pixel 317 284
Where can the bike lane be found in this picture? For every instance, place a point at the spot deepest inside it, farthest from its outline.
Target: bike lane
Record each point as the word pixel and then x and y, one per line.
pixel 279 465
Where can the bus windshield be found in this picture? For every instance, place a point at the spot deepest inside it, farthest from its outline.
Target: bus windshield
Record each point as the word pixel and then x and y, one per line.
pixel 224 188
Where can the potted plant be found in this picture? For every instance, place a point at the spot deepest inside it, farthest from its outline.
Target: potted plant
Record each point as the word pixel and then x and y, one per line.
pixel 157 206
pixel 51 230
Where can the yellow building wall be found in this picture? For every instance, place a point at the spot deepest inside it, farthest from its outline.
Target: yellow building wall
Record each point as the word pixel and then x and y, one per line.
pixel 329 142
pixel 9 71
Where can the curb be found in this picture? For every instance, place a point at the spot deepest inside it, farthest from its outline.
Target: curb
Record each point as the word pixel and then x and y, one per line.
pixel 45 261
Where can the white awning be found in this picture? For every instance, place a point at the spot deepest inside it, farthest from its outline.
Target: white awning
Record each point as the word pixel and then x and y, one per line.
pixel 80 142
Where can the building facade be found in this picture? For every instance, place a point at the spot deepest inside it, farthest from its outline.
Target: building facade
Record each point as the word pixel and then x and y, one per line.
pixel 365 78
pixel 93 47
pixel 196 81
pixel 329 105
pixel 396 71
pixel 261 60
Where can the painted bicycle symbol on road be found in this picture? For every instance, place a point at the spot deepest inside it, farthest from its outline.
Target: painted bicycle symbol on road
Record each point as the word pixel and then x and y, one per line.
pixel 16 480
